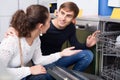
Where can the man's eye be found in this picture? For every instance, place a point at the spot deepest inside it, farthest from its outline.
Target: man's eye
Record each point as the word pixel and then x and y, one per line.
pixel 69 16
pixel 62 13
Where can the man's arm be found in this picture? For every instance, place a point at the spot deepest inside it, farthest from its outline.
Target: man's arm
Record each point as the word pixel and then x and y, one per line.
pixel 73 39
pixel 11 31
pixel 90 41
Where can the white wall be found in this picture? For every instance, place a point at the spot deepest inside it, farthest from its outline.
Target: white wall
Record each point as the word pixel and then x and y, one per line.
pixel 6 10
pixel 47 2
pixel 114 3
pixel 23 4
pixel 8 7
pixel 89 7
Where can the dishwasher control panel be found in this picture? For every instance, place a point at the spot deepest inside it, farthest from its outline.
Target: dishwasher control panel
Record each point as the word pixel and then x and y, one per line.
pixel 87 25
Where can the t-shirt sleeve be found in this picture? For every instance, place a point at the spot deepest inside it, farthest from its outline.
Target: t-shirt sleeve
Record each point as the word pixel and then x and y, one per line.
pixel 73 39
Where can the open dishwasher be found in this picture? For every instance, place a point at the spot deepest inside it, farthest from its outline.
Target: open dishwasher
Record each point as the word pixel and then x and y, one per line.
pixel 108 48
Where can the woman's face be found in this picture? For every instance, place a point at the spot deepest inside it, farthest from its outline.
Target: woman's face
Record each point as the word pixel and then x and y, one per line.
pixel 46 25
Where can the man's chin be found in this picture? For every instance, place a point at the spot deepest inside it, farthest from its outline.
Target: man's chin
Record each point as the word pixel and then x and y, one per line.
pixel 62 27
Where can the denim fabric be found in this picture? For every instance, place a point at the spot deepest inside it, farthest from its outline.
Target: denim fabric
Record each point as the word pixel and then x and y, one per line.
pixel 80 60
pixel 40 77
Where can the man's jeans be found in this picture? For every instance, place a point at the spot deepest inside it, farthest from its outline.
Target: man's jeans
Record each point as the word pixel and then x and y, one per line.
pixel 80 60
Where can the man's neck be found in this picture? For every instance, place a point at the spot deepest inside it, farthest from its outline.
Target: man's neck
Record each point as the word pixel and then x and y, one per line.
pixel 55 23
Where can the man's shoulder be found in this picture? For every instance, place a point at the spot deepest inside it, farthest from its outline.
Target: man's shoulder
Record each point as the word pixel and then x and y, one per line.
pixel 71 26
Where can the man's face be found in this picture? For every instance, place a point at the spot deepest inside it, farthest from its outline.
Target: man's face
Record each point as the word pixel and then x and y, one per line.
pixel 64 18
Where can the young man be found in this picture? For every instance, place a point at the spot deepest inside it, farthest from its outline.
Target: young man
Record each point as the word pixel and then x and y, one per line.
pixel 62 29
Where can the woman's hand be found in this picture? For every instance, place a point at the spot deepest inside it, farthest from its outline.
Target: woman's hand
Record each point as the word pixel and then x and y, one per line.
pixel 92 39
pixel 69 51
pixel 37 69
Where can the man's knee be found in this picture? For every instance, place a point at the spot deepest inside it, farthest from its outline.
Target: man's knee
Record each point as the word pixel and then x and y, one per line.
pixel 87 54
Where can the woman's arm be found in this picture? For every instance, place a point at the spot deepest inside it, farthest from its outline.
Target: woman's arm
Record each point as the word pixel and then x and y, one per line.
pixel 8 51
pixel 44 60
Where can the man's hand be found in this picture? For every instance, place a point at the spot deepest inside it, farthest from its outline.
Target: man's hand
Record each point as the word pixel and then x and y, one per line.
pixel 92 39
pixel 11 32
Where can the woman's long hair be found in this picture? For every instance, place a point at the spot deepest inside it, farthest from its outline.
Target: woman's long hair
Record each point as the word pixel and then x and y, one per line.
pixel 24 23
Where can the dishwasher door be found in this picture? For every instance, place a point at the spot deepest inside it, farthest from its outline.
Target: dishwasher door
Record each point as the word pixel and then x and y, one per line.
pixel 109 67
pixel 84 28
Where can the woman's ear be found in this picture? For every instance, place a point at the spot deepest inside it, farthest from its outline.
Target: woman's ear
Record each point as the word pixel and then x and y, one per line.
pixel 40 25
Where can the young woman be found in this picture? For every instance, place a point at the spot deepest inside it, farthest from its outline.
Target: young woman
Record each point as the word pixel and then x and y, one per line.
pixel 17 51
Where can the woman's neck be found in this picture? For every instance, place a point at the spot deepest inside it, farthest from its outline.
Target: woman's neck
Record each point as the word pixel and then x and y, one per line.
pixel 29 41
pixel 34 34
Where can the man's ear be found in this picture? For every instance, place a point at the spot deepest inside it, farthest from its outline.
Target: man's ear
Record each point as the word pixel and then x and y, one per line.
pixel 74 21
pixel 56 12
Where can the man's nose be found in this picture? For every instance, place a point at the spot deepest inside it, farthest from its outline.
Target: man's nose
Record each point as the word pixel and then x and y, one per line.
pixel 63 17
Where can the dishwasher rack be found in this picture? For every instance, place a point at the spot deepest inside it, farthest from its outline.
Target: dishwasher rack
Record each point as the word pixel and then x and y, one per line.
pixel 109 52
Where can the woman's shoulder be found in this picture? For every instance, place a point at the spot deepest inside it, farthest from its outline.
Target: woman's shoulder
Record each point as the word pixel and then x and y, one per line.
pixel 37 41
pixel 9 41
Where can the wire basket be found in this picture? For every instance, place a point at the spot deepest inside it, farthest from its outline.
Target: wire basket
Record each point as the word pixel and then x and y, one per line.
pixel 109 51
